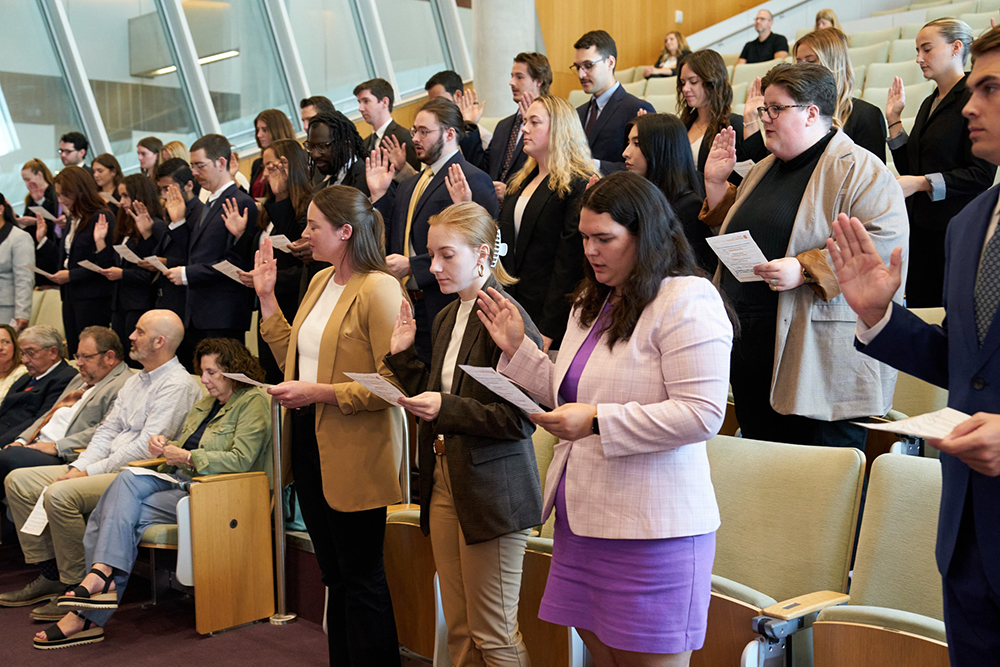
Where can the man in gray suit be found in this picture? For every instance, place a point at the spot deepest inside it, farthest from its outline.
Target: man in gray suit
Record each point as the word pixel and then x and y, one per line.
pixel 71 422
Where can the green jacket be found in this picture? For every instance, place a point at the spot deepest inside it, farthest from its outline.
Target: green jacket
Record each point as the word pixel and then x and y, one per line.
pixel 238 439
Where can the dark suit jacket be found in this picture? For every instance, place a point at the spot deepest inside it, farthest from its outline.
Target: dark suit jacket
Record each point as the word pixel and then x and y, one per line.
pixel 83 283
pixel 491 459
pixel 135 290
pixel 493 158
pixel 950 356
pixel 940 144
pixel 213 300
pixel 174 248
pixel 607 136
pixel 396 202
pixel 22 406
pixel 403 135
pixel 547 257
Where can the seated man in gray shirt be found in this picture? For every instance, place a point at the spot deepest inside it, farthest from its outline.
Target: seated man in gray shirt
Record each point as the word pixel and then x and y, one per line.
pixel 152 402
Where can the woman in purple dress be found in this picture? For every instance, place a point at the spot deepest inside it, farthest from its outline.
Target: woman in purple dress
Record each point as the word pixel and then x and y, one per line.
pixel 640 383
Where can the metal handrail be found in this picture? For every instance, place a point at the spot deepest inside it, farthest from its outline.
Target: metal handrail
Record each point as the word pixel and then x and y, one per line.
pixel 746 27
pixel 281 616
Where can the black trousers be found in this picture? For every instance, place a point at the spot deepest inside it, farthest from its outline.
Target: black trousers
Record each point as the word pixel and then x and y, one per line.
pixel 361 627
pixel 123 323
pixel 13 458
pixel 78 314
pixel 925 280
pixel 192 336
pixel 971 605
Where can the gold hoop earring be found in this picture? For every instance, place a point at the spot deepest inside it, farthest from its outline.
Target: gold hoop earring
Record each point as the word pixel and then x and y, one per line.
pixel 481 271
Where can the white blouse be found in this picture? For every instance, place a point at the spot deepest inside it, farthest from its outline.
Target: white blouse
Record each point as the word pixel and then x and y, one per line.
pixel 311 331
pixel 451 354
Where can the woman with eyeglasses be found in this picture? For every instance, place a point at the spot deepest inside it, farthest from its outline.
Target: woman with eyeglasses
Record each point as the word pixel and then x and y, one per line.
pixel 795 374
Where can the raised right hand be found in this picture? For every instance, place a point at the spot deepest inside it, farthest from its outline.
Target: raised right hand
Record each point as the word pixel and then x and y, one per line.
pixel 396 151
pixel 866 283
pixel 755 99
pixel 265 270
pixel 722 158
pixel 378 173
pixel 41 228
pixel 176 208
pixel 405 331
pixel 502 319
pixel 100 232
pixel 896 101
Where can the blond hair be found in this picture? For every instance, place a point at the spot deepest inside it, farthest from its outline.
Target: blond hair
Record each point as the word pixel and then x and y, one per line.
pixel 477 228
pixel 569 151
pixel 829 15
pixel 830 46
pixel 174 149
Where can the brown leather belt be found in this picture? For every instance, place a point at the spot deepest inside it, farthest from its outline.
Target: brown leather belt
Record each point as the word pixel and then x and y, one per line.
pixel 439 445
pixel 416 294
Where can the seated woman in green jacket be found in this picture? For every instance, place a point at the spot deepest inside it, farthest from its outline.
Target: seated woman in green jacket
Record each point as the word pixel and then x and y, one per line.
pixel 227 431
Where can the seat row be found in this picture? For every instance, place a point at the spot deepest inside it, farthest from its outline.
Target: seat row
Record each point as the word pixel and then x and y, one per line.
pixel 940 8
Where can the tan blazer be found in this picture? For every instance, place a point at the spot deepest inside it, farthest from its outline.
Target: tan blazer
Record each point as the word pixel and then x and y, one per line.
pixel 360 439
pixel 817 371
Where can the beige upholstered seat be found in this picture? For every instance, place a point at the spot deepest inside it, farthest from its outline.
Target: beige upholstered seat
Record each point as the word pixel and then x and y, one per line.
pixel 873 37
pixel 868 55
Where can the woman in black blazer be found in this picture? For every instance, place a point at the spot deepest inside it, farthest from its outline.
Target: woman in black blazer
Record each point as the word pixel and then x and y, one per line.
pixel 705 104
pixel 479 489
pixel 41 192
pixel 938 172
pixel 86 295
pixel 541 213
pixel 140 226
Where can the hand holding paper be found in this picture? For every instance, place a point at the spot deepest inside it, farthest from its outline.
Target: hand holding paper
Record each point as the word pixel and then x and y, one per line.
pixel 502 387
pixel 228 269
pixel 378 385
pixel 126 253
pixel 281 242
pixel 740 253
pixel 932 425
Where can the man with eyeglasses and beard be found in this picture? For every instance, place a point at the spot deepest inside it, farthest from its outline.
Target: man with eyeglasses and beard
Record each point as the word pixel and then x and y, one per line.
pixel 407 207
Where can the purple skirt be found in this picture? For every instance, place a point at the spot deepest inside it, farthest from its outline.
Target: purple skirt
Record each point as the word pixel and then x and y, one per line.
pixel 649 596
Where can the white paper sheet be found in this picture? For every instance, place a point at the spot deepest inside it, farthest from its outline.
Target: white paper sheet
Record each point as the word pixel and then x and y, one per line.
pixel 40 210
pixel 38 519
pixel 157 264
pixel 228 269
pixel 740 253
pixel 90 266
pixel 151 473
pixel 935 424
pixel 240 377
pixel 502 387
pixel 39 271
pixel 127 254
pixel 280 242
pixel 110 198
pixel 378 385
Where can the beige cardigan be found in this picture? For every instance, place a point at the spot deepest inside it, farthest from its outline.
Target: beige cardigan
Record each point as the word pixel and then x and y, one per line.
pixel 817 371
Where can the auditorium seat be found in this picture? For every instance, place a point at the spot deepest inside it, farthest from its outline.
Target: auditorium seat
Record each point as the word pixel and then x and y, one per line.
pixel 412 579
pixel 895 615
pixel 880 75
pixel 988 6
pixel 915 94
pixel 910 30
pixel 730 60
pixel 789 515
pixel 952 10
pixel 637 88
pixel 902 50
pixel 629 75
pixel 578 97
pixel 802 32
pixel 740 96
pixel 662 85
pixel 868 55
pixel 870 37
pixel 746 73
pixel 979 22
pixel 928 4
pixel 859 80
pixel 490 122
pixel 46 308
pixel 663 103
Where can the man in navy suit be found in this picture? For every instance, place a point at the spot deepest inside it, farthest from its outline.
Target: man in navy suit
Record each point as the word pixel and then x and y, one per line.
pixel 217 306
pixel 610 108
pixel 408 206
pixel 963 355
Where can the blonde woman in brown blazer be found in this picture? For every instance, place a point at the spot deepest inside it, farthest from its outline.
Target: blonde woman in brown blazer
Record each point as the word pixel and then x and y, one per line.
pixel 343 442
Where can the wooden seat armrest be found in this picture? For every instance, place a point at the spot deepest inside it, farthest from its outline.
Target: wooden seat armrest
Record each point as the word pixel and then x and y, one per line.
pixel 226 476
pixel 795 607
pixel 148 463
pixel 79 450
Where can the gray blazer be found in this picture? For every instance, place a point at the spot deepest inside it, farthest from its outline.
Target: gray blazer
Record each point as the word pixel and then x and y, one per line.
pixel 16 280
pixel 491 459
pixel 91 412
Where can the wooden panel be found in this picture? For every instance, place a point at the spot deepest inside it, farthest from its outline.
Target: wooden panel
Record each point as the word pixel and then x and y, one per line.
pixel 728 633
pixel 638 27
pixel 232 552
pixel 855 645
pixel 547 643
pixel 876 444
pixel 730 424
pixel 409 569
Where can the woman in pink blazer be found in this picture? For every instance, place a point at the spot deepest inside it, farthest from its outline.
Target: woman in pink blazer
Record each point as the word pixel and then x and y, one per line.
pixel 640 383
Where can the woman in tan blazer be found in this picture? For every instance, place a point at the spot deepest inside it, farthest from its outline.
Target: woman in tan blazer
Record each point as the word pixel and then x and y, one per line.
pixel 345 443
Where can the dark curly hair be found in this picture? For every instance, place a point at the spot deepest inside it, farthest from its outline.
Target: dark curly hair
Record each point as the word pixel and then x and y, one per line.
pixel 233 357
pixel 347 143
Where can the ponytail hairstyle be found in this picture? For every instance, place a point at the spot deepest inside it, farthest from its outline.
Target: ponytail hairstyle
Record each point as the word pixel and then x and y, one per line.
pixel 476 227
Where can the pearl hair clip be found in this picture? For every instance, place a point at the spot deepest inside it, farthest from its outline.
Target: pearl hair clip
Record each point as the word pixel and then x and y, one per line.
pixel 499 250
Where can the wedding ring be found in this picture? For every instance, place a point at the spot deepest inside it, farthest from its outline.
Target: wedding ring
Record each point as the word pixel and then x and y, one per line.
pixel 404 321
pixel 774 282
pixel 772 288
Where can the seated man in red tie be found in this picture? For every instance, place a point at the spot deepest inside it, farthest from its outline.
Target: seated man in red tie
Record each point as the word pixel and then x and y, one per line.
pixel 71 422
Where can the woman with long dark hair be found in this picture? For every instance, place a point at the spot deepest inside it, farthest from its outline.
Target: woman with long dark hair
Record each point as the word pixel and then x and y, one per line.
pixel 148 151
pixel 639 385
pixel 269 126
pixel 108 176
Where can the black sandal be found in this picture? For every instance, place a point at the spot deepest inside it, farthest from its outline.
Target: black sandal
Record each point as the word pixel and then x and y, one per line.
pixel 56 638
pixel 82 598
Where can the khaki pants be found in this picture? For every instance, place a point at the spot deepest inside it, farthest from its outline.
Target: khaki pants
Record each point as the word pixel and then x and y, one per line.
pixel 67 504
pixel 480 585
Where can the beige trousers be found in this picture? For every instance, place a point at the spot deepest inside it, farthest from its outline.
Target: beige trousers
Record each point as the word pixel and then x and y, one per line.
pixel 67 504
pixel 480 585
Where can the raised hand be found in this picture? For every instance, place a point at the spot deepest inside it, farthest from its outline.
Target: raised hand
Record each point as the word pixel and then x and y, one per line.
pixel 502 320
pixel 722 158
pixel 395 149
pixel 378 173
pixel 265 270
pixel 472 109
pixel 896 101
pixel 143 220
pixel 100 232
pixel 236 222
pixel 592 181
pixel 174 201
pixel 41 228
pixel 501 190
pixel 755 99
pixel 641 112
pixel 457 186
pixel 865 281
pixel 525 102
pixel 405 330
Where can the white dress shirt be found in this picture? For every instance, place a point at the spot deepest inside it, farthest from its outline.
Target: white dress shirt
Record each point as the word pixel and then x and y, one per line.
pixel 311 331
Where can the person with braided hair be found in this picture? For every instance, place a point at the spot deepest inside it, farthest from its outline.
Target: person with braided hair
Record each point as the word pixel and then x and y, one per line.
pixel 336 150
pixel 479 486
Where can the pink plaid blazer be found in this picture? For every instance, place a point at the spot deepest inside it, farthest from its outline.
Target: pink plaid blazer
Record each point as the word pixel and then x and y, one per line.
pixel 660 395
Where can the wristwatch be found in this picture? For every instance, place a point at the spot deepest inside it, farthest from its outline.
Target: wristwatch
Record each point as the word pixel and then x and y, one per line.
pixel 806 276
pixel 595 427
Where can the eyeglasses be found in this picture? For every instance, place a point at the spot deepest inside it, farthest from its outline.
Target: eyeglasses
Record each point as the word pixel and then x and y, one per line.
pixel 320 145
pixel 587 65
pixel 67 151
pixel 200 165
pixel 774 110
pixel 423 131
pixel 86 357
pixel 30 352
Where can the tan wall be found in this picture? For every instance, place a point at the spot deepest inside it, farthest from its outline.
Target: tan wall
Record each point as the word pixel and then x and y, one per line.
pixel 638 27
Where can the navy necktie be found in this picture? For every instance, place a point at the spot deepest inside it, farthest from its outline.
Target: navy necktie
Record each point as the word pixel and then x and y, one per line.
pixel 987 295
